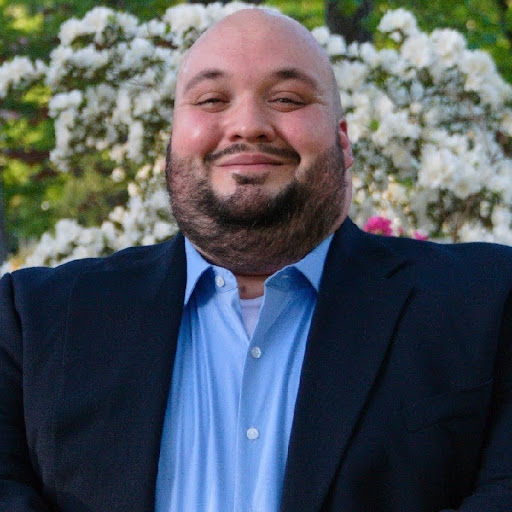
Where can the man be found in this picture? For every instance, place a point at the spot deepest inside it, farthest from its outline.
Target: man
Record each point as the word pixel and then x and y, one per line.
pixel 274 357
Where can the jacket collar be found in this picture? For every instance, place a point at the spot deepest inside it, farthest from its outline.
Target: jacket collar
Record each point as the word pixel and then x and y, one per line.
pixel 362 294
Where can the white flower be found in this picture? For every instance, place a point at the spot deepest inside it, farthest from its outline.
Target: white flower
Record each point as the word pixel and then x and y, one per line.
pixel 127 22
pixel 501 180
pixel 117 214
pixel 89 59
pixel 135 141
pixel 70 30
pixel 58 64
pixel 465 182
pixel 99 101
pixel 336 46
pixel 118 175
pixel 448 45
pixel 322 35
pixel 400 154
pixel 397 193
pixel 506 123
pixel 398 19
pixel 417 91
pixel 168 85
pixel 350 75
pixel 476 64
pixel 396 36
pixel 501 215
pixel 18 69
pixel 184 17
pixel 123 109
pixel 159 200
pixel 474 232
pixel 163 230
pixel 109 231
pixel 417 50
pixel 369 54
pixel 63 101
pixel 137 52
pixel 389 60
pixel 153 28
pixel 435 166
pixel 148 239
pixel 133 189
pixel 6 267
pixel 145 102
pixel 97 19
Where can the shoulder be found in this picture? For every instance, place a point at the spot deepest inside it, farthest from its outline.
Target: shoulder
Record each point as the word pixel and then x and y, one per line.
pixel 450 252
pixel 478 255
pixel 474 271
pixel 36 280
pixel 455 266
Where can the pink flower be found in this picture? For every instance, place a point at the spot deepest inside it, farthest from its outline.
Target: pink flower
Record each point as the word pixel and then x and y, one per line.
pixel 418 235
pixel 378 226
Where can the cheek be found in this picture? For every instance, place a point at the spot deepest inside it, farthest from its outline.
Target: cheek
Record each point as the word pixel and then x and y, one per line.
pixel 309 134
pixel 194 134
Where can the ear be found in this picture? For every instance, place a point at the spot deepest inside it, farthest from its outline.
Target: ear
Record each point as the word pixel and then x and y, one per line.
pixel 349 160
pixel 345 143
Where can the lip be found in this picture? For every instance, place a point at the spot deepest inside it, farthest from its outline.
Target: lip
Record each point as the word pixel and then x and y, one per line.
pixel 249 159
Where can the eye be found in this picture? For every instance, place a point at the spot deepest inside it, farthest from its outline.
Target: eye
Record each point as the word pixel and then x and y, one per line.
pixel 210 103
pixel 286 100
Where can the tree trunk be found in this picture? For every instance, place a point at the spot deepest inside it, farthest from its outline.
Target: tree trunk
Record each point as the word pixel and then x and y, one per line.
pixel 504 6
pixel 346 17
pixel 3 233
pixel 223 1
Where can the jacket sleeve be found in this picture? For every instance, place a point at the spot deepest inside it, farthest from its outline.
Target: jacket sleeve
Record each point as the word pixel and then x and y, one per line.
pixel 493 491
pixel 20 488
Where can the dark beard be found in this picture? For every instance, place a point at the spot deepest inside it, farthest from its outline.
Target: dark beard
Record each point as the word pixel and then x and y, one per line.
pixel 250 232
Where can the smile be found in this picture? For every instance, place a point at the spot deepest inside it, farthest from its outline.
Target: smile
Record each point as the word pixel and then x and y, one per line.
pixel 255 161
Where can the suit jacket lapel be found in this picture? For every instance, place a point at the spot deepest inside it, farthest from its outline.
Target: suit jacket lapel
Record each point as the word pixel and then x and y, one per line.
pixel 118 357
pixel 362 293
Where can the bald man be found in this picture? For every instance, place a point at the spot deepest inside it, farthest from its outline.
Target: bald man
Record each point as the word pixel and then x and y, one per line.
pixel 270 357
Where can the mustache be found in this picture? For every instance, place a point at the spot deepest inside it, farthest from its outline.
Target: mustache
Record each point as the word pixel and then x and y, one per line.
pixel 286 153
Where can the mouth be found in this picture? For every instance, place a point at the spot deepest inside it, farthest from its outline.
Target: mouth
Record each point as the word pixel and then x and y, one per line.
pixel 249 160
pixel 250 163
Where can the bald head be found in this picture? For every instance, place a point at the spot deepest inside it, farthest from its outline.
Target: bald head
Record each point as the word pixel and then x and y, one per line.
pixel 238 33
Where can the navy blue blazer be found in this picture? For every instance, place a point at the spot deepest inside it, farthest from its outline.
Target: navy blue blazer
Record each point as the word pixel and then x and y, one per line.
pixel 404 404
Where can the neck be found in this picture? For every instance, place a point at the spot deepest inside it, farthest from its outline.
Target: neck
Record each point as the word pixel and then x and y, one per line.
pixel 250 287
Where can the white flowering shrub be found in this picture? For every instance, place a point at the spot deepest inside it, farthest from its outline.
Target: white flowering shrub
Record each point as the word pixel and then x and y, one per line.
pixel 431 125
pixel 430 122
pixel 145 219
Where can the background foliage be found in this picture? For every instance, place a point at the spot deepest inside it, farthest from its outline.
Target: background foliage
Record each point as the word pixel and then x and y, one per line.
pixel 35 195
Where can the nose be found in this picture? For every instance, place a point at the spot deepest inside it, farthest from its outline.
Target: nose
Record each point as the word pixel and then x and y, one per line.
pixel 247 120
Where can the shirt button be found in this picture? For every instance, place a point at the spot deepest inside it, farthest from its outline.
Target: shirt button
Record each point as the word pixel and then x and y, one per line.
pixel 252 433
pixel 256 352
pixel 219 281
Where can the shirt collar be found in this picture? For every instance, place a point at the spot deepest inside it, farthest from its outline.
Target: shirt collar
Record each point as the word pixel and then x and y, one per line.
pixel 311 266
pixel 196 267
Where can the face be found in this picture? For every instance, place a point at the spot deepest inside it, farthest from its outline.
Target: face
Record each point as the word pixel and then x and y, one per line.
pixel 257 137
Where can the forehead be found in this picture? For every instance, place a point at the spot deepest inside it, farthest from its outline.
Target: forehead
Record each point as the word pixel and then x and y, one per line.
pixel 255 49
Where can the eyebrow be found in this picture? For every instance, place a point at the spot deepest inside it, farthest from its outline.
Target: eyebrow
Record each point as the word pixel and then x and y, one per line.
pixel 280 74
pixel 207 74
pixel 296 74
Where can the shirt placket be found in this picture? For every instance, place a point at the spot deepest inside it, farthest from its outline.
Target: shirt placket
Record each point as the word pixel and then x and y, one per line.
pixel 252 432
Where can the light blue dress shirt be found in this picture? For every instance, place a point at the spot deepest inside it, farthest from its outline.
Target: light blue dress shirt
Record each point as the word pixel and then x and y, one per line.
pixel 232 399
